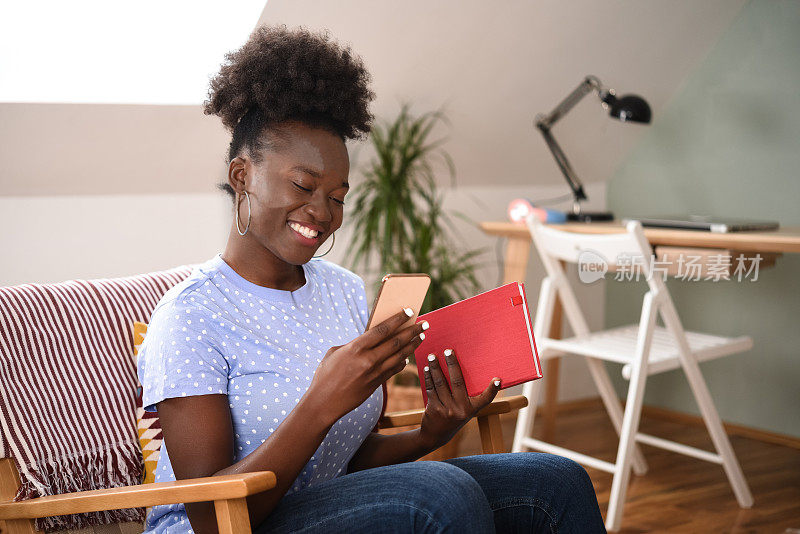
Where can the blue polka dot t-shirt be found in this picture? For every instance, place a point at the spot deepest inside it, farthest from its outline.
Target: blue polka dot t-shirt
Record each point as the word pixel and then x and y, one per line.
pixel 217 333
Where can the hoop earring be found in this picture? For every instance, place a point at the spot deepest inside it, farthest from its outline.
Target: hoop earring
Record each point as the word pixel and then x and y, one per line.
pixel 332 243
pixel 247 227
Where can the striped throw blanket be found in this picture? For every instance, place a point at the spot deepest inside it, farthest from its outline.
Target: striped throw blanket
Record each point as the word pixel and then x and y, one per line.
pixel 68 386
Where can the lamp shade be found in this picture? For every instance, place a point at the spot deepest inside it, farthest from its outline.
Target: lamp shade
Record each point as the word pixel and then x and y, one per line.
pixel 631 108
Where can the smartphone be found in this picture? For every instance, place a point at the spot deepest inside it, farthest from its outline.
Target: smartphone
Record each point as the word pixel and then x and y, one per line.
pixel 399 291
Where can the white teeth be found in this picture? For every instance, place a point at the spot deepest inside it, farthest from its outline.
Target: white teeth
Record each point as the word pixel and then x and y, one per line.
pixel 307 232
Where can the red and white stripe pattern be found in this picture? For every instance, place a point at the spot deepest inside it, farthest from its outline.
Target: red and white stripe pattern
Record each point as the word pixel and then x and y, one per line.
pixel 68 386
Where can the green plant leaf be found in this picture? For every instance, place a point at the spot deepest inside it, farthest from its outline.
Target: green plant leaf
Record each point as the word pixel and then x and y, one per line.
pixel 398 214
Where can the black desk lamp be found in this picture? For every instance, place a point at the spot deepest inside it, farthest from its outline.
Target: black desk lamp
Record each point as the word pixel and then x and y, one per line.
pixel 627 108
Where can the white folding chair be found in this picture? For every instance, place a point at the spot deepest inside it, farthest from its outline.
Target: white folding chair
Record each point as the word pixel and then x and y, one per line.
pixel 642 349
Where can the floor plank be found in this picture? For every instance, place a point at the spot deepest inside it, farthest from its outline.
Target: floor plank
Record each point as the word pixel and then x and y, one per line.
pixel 680 494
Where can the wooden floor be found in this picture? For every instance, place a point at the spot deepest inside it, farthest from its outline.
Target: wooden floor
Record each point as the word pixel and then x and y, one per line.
pixel 679 493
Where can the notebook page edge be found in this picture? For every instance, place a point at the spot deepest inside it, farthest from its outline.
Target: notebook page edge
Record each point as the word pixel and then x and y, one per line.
pixel 528 326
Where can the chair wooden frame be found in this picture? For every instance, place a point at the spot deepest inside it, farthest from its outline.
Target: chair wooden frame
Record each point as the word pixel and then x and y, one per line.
pixel 228 492
pixel 555 247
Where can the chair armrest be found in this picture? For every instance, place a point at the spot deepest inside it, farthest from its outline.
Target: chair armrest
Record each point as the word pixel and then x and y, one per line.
pixel 414 417
pixel 216 488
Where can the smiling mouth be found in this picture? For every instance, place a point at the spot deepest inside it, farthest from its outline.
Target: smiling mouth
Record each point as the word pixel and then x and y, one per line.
pixel 306 235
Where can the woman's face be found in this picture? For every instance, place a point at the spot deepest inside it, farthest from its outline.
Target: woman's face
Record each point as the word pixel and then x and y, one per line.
pixel 298 188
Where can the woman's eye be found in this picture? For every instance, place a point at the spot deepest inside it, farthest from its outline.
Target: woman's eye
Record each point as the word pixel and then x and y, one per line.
pixel 340 202
pixel 301 187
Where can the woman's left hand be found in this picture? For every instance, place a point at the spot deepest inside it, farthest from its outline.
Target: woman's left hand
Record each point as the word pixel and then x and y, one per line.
pixel 449 408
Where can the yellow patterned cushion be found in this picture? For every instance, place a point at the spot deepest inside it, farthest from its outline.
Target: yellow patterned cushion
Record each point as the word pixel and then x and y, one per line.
pixel 148 425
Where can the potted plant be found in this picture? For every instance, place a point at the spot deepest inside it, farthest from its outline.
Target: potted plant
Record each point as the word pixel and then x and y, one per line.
pixel 398 215
pixel 398 219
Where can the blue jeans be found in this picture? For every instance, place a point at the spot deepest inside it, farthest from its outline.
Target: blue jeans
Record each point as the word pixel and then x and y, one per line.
pixel 509 492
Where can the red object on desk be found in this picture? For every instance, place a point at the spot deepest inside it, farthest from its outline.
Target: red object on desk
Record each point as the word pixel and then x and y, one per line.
pixel 491 335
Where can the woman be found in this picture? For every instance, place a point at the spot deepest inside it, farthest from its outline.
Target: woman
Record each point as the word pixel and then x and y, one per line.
pixel 259 360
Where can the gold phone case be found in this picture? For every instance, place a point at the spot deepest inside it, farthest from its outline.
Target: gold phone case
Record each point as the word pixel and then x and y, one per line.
pixel 397 291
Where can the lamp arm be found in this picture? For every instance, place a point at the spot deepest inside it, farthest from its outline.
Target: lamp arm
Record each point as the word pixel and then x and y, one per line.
pixel 545 122
pixel 563 164
pixel 586 86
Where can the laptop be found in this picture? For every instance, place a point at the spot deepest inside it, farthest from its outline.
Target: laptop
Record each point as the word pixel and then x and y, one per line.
pixel 721 225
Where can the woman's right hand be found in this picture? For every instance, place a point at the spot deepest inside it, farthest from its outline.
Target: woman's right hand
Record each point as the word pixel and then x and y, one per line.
pixel 349 374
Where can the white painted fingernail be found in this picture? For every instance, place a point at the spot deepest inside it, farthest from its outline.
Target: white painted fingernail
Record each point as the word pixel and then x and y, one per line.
pixel 497 383
pixel 431 357
pixel 426 368
pixel 448 352
pixel 422 336
pixel 425 325
pixel 408 311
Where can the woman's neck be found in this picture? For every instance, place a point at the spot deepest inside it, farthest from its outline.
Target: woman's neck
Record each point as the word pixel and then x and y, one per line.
pixel 261 266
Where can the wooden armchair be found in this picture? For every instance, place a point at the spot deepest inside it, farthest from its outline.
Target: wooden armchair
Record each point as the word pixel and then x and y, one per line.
pixel 228 492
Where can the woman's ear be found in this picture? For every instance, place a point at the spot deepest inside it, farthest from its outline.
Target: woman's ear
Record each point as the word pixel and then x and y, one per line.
pixel 237 173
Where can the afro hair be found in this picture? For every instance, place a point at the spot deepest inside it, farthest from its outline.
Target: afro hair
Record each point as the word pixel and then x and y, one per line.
pixel 281 75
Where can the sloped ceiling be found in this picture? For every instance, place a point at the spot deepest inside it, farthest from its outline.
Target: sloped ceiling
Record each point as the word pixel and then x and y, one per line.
pixel 492 66
pixel 495 65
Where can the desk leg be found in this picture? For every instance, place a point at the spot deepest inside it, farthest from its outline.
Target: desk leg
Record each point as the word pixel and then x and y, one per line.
pixel 516 262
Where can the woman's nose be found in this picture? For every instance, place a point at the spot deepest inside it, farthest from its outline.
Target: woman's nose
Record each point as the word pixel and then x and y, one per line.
pixel 318 208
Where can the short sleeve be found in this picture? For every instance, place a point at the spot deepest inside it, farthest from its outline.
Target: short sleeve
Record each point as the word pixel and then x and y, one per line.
pixel 179 356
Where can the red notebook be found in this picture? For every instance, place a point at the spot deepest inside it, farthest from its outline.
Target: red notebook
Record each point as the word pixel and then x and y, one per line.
pixel 491 335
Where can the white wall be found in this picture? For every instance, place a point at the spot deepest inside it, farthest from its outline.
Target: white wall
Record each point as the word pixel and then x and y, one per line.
pixel 54 238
